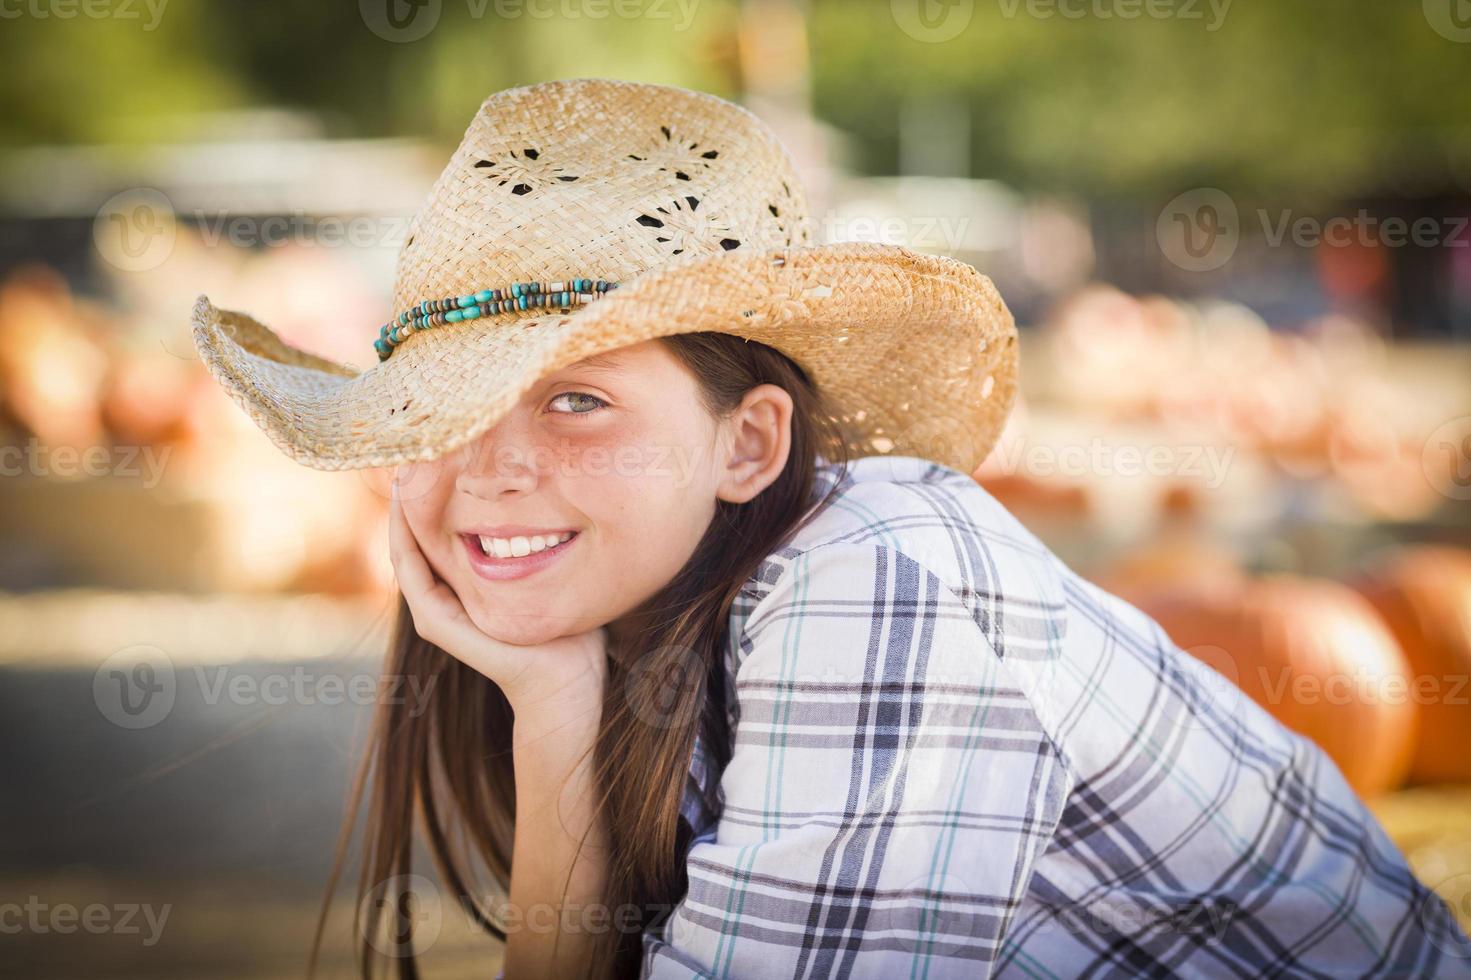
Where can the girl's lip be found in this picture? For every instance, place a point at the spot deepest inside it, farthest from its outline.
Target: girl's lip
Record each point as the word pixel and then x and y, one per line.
pixel 500 569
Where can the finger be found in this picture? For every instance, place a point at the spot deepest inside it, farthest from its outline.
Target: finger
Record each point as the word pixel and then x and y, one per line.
pixel 439 616
pixel 429 598
pixel 409 565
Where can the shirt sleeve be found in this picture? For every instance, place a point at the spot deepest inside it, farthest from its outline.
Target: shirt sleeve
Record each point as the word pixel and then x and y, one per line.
pixel 889 791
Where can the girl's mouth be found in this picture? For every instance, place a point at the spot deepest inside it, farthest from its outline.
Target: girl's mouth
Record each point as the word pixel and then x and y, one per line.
pixel 499 559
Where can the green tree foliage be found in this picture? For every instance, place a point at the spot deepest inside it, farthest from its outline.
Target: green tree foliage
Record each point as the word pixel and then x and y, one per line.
pixel 1297 97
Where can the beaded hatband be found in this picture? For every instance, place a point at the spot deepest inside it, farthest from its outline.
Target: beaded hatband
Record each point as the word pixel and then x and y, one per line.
pixel 486 302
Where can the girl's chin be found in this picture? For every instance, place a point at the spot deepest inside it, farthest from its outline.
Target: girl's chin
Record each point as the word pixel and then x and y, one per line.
pixel 521 628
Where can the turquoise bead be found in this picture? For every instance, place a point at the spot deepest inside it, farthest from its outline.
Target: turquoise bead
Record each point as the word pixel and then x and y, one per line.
pixel 526 295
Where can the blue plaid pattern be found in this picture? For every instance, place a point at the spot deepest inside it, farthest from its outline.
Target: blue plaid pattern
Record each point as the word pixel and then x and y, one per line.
pixel 955 758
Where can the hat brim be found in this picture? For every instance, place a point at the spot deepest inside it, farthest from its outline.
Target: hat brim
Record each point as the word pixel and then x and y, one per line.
pixel 916 354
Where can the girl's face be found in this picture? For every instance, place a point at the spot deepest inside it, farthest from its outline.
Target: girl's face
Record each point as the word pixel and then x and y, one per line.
pixel 590 494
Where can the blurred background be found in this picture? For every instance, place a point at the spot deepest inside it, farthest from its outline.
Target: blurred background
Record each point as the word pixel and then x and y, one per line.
pixel 1235 236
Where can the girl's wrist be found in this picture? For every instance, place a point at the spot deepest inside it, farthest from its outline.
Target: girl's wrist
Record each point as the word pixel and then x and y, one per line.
pixel 568 718
pixel 568 697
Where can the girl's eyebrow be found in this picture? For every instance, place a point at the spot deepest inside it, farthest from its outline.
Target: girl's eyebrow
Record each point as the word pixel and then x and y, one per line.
pixel 606 362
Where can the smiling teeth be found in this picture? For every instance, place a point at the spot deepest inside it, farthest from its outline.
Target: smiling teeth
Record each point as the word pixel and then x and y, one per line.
pixel 520 546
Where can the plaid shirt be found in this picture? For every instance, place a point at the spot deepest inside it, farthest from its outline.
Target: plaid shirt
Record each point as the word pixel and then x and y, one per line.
pixel 953 757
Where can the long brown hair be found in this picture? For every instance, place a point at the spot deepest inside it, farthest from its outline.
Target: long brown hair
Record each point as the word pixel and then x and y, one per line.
pixel 450 761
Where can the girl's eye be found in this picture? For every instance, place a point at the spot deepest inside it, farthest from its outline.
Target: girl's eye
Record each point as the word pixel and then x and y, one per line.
pixel 590 403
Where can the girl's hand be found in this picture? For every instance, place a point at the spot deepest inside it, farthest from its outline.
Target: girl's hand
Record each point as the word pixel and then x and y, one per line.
pixel 564 673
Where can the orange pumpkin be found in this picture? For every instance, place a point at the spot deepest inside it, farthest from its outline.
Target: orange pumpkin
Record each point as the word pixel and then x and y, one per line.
pixel 1315 655
pixel 1424 594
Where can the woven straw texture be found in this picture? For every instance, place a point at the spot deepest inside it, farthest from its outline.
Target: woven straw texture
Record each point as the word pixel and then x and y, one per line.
pixel 692 204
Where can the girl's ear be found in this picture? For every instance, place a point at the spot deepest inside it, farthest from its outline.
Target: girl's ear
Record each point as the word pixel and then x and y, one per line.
pixel 759 437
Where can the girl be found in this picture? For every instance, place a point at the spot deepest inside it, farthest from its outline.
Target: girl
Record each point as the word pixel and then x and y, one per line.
pixel 734 670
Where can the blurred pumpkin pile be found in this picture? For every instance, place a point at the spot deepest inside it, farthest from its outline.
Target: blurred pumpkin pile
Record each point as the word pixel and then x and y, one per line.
pixel 114 432
pixel 1259 432
pixel 1376 668
pixel 1331 408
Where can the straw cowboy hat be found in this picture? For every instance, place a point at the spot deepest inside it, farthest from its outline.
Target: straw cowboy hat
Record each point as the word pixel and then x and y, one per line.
pixel 588 214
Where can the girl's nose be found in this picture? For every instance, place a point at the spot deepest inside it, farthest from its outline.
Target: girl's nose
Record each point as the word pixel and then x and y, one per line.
pixel 499 463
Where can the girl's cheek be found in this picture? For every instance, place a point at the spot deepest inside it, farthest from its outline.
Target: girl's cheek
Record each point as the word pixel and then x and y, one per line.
pixel 424 500
pixel 420 485
pixel 604 452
